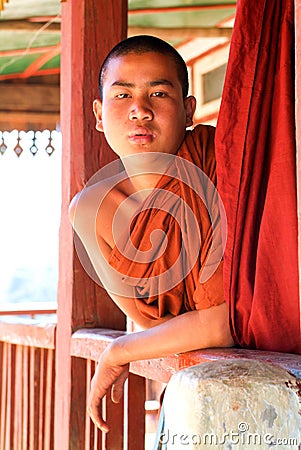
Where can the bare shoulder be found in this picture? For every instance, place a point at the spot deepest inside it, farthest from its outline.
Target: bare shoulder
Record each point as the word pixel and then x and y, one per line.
pixel 93 197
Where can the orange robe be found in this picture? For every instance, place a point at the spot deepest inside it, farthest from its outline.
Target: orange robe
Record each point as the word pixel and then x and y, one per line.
pixel 183 268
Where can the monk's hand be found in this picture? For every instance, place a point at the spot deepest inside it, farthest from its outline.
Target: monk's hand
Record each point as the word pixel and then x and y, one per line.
pixel 109 376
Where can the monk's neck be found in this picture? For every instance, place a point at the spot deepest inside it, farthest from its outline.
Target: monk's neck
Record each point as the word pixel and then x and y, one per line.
pixel 144 182
pixel 145 169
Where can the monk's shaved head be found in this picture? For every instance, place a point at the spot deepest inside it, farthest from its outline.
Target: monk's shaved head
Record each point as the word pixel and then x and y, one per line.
pixel 145 44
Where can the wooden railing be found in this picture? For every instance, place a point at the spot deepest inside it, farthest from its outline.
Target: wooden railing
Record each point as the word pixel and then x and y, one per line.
pixel 28 309
pixel 26 385
pixel 87 344
pixel 126 419
pixel 27 352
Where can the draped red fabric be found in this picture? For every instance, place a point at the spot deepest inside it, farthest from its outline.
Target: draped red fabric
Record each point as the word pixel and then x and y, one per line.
pixel 256 169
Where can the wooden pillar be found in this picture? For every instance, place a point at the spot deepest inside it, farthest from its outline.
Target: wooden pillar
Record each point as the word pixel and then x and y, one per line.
pixel 298 125
pixel 89 30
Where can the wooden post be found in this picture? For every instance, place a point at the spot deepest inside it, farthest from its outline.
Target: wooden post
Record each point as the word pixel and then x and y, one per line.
pixel 298 126
pixel 89 30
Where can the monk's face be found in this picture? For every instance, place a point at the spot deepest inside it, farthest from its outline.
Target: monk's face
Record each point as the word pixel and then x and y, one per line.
pixel 143 109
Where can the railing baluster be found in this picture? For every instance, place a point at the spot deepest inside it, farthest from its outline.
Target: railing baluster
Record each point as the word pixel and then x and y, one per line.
pixel 48 411
pixel 99 437
pixel 41 397
pixel 17 423
pixel 114 416
pixel 136 412
pixel 31 397
pixel 25 396
pixel 97 443
pixel 9 404
pixel 88 437
pixel 3 418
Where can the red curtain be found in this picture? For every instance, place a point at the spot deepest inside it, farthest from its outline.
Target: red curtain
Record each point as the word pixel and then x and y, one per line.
pixel 256 163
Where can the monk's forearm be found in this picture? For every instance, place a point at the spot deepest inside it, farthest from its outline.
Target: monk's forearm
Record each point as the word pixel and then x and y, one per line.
pixel 190 331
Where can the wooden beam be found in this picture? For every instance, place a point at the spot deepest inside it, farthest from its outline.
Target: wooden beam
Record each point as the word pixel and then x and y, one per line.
pixel 85 344
pixel 90 28
pixel 15 331
pixel 17 97
pixel 27 120
pixel 181 9
pixel 32 308
pixel 181 33
pixel 26 25
pixel 34 67
pixel 26 106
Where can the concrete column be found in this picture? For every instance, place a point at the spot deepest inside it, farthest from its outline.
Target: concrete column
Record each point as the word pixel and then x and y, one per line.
pixel 237 404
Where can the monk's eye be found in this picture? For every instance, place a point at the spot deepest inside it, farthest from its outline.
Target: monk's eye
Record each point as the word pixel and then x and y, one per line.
pixel 123 95
pixel 159 94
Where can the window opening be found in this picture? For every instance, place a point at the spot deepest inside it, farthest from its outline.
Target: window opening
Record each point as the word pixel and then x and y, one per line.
pixel 30 204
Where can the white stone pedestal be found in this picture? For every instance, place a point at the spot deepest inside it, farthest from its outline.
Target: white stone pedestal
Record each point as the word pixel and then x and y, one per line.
pixel 237 404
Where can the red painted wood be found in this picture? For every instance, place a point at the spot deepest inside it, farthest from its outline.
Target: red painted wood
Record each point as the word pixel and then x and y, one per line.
pixel 30 51
pixel 37 395
pixel 32 69
pixel 298 124
pixel 78 404
pixel 89 29
pixel 48 407
pixel 31 387
pixel 114 415
pixel 89 343
pixel 25 402
pixel 136 412
pixel 88 422
pixel 17 424
pixel 3 386
pixel 28 333
pixel 29 308
pixel 41 399
pixel 11 397
pixel 180 9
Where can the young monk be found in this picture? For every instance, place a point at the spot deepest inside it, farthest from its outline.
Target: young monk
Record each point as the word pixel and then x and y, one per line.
pixel 152 231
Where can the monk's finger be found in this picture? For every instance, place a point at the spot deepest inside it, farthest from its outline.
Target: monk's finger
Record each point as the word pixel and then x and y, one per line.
pixel 94 409
pixel 118 387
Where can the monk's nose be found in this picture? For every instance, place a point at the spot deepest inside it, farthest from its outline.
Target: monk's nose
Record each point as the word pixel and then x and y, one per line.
pixel 140 111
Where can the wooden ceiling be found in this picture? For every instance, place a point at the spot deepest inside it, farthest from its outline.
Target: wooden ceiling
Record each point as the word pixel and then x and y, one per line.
pixel 30 48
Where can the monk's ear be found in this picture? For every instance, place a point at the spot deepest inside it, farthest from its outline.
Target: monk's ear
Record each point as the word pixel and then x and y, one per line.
pixel 190 105
pixel 97 109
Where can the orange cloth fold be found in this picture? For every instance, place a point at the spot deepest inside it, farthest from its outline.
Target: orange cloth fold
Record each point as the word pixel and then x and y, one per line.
pixel 173 256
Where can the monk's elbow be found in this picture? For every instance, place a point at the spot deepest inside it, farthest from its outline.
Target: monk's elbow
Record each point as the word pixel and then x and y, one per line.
pixel 216 326
pixel 225 338
pixel 223 334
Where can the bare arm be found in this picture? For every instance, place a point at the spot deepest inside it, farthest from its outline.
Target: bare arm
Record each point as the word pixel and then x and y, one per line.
pixel 129 308
pixel 190 331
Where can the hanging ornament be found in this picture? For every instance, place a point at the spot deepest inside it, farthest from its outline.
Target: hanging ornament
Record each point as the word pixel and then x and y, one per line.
pixel 18 149
pixel 50 149
pixel 3 146
pixel 34 149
